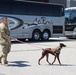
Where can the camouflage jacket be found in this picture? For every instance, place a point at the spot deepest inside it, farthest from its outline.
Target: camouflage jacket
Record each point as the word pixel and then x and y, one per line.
pixel 4 34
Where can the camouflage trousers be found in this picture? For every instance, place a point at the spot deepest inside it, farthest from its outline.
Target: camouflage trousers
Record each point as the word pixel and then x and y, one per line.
pixel 5 49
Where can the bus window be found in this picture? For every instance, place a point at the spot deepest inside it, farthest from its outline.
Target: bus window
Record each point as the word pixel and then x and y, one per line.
pixel 5 7
pixel 33 9
pixel 51 10
pixel 45 10
pixel 18 8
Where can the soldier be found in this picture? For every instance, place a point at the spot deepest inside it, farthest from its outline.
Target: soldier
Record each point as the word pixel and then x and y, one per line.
pixel 5 40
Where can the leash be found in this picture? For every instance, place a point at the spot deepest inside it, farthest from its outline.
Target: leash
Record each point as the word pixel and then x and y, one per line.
pixel 33 44
pixel 28 43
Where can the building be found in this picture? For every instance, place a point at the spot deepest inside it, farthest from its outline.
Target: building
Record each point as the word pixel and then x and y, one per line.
pixel 51 1
pixel 59 2
pixel 66 3
pixel 71 3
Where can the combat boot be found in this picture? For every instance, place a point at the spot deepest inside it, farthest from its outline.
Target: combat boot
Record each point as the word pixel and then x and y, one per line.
pixel 0 62
pixel 5 63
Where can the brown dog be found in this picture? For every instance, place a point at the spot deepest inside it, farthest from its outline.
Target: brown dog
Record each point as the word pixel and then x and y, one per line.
pixel 53 51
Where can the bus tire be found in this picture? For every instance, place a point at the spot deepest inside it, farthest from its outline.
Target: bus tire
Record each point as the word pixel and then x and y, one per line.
pixel 36 35
pixel 45 35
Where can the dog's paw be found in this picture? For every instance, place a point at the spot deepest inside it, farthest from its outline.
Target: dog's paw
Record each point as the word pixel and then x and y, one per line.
pixel 49 63
pixel 60 64
pixel 38 63
pixel 52 63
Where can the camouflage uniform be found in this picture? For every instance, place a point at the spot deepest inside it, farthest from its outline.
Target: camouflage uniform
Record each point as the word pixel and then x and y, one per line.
pixel 5 42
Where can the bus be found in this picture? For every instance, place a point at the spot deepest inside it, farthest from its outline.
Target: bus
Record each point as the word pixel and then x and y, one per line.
pixel 33 20
pixel 70 22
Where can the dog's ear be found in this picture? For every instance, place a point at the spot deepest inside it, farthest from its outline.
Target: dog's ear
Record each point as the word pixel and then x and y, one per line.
pixel 62 44
pixel 59 43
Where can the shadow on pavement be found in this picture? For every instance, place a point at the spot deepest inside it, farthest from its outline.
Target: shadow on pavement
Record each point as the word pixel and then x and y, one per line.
pixel 19 63
pixel 50 40
pixel 63 65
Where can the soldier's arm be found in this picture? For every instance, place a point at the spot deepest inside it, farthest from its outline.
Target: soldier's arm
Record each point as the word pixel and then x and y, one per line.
pixel 3 34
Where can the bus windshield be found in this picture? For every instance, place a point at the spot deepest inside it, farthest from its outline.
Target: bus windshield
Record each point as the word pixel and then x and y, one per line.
pixel 70 22
pixel 67 17
pixel 70 17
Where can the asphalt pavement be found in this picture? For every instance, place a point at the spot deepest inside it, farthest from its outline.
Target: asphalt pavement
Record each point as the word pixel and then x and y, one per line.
pixel 23 59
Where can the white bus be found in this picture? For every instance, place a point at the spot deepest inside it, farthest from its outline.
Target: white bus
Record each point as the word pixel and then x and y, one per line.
pixel 70 22
pixel 33 20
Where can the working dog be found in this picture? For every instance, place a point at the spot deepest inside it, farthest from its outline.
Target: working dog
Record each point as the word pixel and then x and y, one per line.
pixel 53 51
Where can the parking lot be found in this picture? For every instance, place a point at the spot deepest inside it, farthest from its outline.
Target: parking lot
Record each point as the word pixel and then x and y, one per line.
pixel 23 58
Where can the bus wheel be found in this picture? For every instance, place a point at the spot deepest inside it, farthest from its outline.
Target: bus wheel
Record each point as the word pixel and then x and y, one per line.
pixel 36 35
pixel 45 35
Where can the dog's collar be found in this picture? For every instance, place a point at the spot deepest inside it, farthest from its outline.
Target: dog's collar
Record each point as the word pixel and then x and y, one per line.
pixel 60 48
